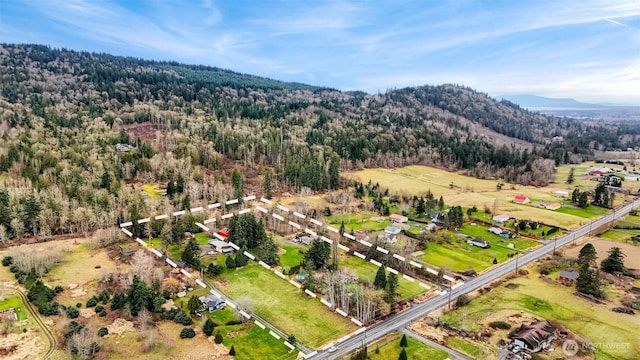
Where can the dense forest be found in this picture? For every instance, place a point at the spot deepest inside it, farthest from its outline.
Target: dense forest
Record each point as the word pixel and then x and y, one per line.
pixel 62 112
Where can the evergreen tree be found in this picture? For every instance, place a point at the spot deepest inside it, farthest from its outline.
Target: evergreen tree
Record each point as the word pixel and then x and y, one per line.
pixel 571 178
pixel 614 262
pixel 380 281
pixel 334 172
pixel 218 338
pixel 194 304
pixel 171 188
pixel 403 355
pixel 208 327
pixel 237 180
pixel 180 184
pixel 575 195
pixel 441 204
pixel 241 259
pixel 587 255
pixel 392 286
pixel 230 262
pixel 403 341
pixel 119 301
pixel 232 351
pixel 421 207
pixel 583 200
pixel 267 185
pixel 588 281
pixel 317 256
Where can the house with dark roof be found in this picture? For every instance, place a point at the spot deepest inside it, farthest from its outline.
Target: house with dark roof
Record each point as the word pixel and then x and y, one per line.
pixel 534 337
pixel 212 303
pixel 391 233
pixel 568 277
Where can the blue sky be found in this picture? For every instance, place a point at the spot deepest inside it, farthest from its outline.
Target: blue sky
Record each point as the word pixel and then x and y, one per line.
pixel 587 50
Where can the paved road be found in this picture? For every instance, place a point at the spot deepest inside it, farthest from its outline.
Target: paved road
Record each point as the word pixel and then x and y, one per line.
pixel 399 321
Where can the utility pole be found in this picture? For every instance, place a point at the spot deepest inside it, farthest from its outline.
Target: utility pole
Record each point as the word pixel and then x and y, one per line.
pixel 517 253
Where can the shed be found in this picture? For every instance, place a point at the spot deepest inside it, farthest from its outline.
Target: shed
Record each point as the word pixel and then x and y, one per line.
pixel 553 206
pixel 568 277
pixel 502 218
pixel 521 199
pixel 397 218
pixel 9 314
pixel 562 194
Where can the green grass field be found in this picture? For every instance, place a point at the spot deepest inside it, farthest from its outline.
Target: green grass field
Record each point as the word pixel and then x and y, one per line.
pixel 546 300
pixel 16 303
pixel 481 232
pixel 459 256
pixel 292 256
pixel 466 347
pixel 589 212
pixel 621 235
pixel 151 190
pixel 415 350
pixel 367 271
pixel 202 238
pixel 249 341
pixel 355 222
pixel 285 306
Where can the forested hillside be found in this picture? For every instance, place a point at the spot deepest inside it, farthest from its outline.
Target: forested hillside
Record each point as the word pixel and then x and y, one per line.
pixel 62 112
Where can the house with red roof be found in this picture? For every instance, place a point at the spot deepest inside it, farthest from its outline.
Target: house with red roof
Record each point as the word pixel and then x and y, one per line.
pixel 521 199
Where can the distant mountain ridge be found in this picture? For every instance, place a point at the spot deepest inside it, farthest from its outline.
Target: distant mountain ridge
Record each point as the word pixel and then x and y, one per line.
pixel 535 101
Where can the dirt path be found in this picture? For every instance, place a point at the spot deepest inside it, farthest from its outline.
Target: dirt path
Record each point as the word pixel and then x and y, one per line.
pixel 45 329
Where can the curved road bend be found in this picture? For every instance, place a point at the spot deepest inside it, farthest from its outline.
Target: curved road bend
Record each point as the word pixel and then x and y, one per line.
pixel 399 321
pixel 51 339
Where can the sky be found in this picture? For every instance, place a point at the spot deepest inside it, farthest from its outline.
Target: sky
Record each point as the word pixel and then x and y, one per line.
pixel 588 50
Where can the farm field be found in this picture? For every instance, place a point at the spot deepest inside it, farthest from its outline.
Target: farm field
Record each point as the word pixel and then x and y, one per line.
pixel 631 252
pixel 285 306
pixel 469 191
pixel 481 232
pixel 459 256
pixel 548 300
pixel 415 350
pixel 367 271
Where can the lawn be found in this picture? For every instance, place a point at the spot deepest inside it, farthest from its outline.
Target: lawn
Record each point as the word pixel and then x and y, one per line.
pixel 202 238
pixel 360 221
pixel 621 235
pixel 249 341
pixel 482 233
pixel 415 350
pixel 16 303
pixel 154 243
pixel 466 347
pixel 292 256
pixel 285 306
pixel 589 212
pixel 367 271
pixel 551 301
pixel 152 190
pixel 458 256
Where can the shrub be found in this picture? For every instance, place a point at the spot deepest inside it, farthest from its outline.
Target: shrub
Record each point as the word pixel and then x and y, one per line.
pixel 14 268
pixel 234 322
pixel 462 300
pixel 104 297
pixel 182 318
pixel 99 308
pixel 102 313
pixel 500 325
pixel 169 314
pixel 187 333
pixel 58 289
pixel 93 301
pixel 78 305
pixel 103 331
pixel 72 312
pixel 7 260
pixel 218 338
pixel 232 351
pixel 208 327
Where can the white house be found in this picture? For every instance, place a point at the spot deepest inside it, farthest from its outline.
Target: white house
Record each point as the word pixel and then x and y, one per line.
pixel 397 218
pixel 502 218
pixel 221 246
